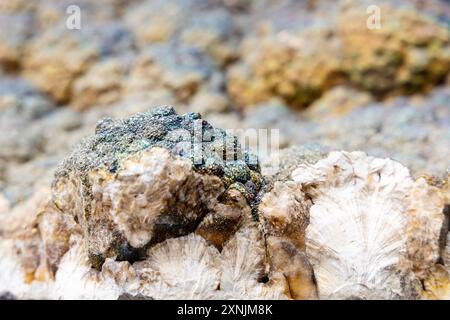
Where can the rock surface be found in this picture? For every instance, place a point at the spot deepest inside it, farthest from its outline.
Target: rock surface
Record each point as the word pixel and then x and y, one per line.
pixel 407 54
pixel 134 209
pixel 374 232
pixel 311 71
pixel 128 218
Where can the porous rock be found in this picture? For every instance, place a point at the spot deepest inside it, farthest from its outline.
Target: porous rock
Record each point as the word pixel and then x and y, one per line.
pixel 138 211
pixel 407 54
pixel 57 57
pixel 148 166
pixel 134 213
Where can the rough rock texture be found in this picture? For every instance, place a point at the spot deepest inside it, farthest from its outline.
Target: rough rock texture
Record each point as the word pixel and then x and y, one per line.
pixel 374 232
pixel 285 215
pixel 181 70
pixel 280 166
pixel 133 211
pixel 216 57
pixel 53 65
pixel 36 135
pixel 132 214
pixel 101 85
pixel 408 54
pixel 338 101
pixel 409 130
pixel 409 63
pixel 206 25
pixel 15 29
pixel 427 233
pixel 109 171
pixel 126 218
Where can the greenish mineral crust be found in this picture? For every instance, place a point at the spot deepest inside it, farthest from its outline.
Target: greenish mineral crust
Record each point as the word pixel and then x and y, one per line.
pixel 212 153
pixel 211 150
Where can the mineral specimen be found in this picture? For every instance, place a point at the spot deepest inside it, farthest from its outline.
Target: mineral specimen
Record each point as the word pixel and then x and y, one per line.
pixel 139 210
pixel 142 205
pixel 142 210
pixel 167 196
pixel 374 232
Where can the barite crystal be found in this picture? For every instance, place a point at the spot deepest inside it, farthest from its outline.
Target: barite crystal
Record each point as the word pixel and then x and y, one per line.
pixel 374 231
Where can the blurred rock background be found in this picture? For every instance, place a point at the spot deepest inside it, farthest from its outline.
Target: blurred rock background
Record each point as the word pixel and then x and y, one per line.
pixel 310 68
